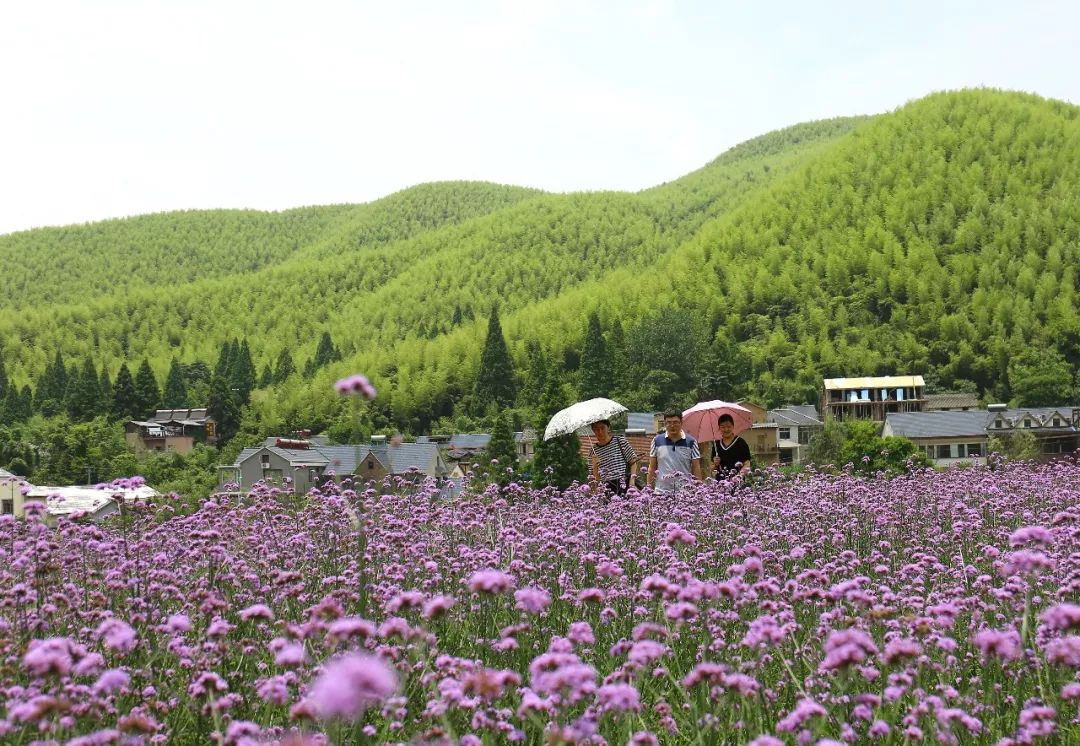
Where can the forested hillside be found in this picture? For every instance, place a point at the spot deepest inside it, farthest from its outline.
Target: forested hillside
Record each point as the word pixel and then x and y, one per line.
pixel 938 239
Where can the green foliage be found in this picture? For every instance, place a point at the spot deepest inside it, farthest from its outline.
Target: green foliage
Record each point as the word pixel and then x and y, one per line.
pixel 859 443
pixel 595 371
pixel 501 452
pixel 495 378
pixel 175 394
pixel 147 393
pixel 1041 378
pixel 125 405
pixel 941 238
pixel 557 462
pixel 1017 445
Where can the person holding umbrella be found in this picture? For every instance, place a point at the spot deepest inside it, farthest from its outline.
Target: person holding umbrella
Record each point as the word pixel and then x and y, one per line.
pixel 673 455
pixel 612 459
pixel 732 454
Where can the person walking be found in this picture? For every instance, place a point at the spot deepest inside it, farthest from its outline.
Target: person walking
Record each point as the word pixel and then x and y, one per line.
pixel 674 456
pixel 732 454
pixel 612 459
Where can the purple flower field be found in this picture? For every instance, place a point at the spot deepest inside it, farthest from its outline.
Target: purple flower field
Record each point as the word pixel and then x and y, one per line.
pixel 936 608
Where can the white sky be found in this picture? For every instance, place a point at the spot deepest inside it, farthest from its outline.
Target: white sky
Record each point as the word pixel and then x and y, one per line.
pixel 110 109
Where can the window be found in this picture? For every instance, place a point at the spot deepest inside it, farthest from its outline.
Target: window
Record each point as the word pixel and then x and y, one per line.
pixel 1057 422
pixel 9 507
pixel 784 433
pixel 266 461
pixel 943 451
pixel 786 456
pixel 1027 422
pixel 804 436
pixel 998 424
pixel 974 450
pixel 371 464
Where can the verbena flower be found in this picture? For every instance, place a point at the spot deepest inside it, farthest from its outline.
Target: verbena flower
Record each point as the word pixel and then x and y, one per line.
pixel 350 685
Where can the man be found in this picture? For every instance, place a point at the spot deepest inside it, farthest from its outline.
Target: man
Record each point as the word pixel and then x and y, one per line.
pixel 732 457
pixel 612 459
pixel 673 455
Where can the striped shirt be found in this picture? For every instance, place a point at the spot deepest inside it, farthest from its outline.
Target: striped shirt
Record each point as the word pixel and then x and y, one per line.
pixel 614 457
pixel 673 457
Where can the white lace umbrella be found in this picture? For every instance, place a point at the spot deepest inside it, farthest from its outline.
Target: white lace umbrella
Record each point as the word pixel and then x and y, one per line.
pixel 580 415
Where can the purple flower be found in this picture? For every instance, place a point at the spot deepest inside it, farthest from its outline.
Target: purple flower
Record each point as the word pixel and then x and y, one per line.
pixel 51 656
pixel 437 606
pixel 111 681
pixel 356 385
pixel 581 633
pixel 350 685
pixel 1065 651
pixel 490 581
pixel 621 697
pixel 178 623
pixel 1061 617
pixel 1025 562
pixel 1030 535
pixel 257 611
pixel 117 635
pixel 992 643
pixel 531 599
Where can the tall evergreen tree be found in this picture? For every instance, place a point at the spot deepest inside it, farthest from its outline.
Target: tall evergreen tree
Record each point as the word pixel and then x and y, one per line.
pixel 501 449
pixel 147 393
pixel 225 360
pixel 223 408
pixel 617 355
pixel 558 462
pixel 495 379
pixel 125 404
pixel 52 387
pixel 175 394
pixel 25 408
pixel 3 375
pixel 284 366
pixel 595 370
pixel 532 388
pixel 266 378
pixel 326 353
pixel 105 392
pixel 84 393
pixel 242 373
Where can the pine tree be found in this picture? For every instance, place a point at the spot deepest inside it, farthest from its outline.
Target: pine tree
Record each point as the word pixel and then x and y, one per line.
pixel 558 462
pixel 266 378
pixel 223 408
pixel 105 392
pixel 52 387
pixel 532 388
pixel 147 393
pixel 617 355
pixel 495 379
pixel 175 394
pixel 595 371
pixel 501 449
pixel 225 360
pixel 3 375
pixel 326 353
pixel 84 393
pixel 124 402
pixel 284 367
pixel 242 372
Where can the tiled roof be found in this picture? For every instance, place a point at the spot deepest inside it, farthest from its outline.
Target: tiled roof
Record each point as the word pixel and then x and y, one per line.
pixel 951 400
pixel 976 422
pixel 343 459
pixel 641 421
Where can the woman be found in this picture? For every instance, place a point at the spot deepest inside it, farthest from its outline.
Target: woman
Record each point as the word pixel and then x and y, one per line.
pixel 613 460
pixel 732 454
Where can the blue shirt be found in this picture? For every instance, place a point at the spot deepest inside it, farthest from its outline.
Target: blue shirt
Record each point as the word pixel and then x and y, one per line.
pixel 673 458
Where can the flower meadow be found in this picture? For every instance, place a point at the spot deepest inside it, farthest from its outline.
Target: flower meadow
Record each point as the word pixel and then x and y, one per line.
pixel 934 607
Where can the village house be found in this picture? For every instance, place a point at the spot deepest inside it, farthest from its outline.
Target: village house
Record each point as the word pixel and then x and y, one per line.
pixel 171 430
pixel 871 398
pixel 950 401
pixel 796 424
pixel 304 463
pixel 950 437
pixel 94 503
pixel 11 493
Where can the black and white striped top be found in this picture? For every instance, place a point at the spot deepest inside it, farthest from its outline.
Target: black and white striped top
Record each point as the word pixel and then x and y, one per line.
pixel 614 456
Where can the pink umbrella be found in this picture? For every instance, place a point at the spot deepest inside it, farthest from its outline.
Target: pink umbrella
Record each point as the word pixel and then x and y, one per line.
pixel 701 420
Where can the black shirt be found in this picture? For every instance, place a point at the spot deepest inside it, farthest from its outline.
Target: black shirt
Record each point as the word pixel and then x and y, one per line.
pixel 731 458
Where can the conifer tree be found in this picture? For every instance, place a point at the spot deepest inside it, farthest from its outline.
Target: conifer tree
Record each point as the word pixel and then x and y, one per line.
pixel 558 462
pixel 84 393
pixel 242 372
pixel 104 392
pixel 26 405
pixel 52 387
pixel 532 388
pixel 595 370
pixel 147 393
pixel 501 449
pixel 175 395
pixel 223 408
pixel 284 366
pixel 617 356
pixel 3 375
pixel 124 402
pixel 495 378
pixel 266 378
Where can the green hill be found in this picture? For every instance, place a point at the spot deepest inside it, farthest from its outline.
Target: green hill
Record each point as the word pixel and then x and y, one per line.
pixel 937 239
